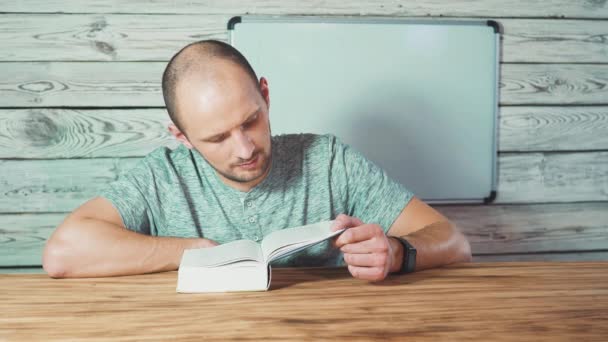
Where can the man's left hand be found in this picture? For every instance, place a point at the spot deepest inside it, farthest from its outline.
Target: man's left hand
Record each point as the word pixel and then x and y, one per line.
pixel 367 250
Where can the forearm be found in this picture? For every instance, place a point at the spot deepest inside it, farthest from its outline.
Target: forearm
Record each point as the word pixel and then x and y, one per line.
pixel 93 248
pixel 436 245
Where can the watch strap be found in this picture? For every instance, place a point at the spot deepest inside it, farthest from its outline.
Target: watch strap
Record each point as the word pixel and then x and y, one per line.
pixel 409 256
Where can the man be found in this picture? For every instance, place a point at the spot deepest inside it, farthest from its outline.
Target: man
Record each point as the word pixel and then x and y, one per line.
pixel 230 179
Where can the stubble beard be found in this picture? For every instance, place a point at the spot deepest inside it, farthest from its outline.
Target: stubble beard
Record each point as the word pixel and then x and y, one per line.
pixel 265 159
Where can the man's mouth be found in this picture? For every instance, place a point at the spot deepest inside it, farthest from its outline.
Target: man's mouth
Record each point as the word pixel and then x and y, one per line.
pixel 251 163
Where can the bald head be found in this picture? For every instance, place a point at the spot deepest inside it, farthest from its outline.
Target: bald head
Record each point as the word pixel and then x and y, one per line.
pixel 200 60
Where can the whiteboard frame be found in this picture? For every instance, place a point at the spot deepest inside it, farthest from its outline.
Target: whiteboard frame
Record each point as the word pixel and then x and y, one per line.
pixel 498 30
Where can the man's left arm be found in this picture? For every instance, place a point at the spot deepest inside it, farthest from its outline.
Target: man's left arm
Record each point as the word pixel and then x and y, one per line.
pixel 371 254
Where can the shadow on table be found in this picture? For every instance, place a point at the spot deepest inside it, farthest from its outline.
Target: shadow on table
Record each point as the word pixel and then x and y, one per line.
pixel 286 277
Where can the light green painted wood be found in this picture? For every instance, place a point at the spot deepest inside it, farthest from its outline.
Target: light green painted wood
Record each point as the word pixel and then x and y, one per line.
pixel 564 256
pixel 22 237
pixel 22 270
pixel 70 133
pixel 550 177
pixel 136 37
pixel 554 84
pixel 136 84
pixel 449 8
pixel 555 41
pixel 497 229
pixel 55 185
pixel 96 84
pixel 61 185
pixel 111 37
pixel 494 229
pixel 552 128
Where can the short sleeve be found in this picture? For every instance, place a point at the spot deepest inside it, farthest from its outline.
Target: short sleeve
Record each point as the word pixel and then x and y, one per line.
pixel 369 193
pixel 126 196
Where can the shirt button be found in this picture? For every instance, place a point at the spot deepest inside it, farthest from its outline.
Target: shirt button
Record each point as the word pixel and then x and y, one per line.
pixel 256 238
pixel 252 219
pixel 250 204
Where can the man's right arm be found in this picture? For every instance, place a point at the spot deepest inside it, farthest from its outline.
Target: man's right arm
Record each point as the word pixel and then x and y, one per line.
pixel 92 242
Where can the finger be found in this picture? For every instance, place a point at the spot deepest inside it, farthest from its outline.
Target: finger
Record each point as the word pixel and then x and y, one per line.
pixel 373 245
pixel 360 233
pixel 366 260
pixel 207 243
pixel 345 221
pixel 333 242
pixel 367 273
pixel 340 222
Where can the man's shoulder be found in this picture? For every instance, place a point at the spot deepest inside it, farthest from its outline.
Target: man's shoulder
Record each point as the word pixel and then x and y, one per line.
pixel 165 154
pixel 163 158
pixel 310 144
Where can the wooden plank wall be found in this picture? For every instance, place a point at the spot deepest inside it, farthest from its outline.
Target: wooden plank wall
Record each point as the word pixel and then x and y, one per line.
pixel 80 101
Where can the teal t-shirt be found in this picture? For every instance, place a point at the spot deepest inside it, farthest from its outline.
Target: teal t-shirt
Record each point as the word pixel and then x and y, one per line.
pixel 312 178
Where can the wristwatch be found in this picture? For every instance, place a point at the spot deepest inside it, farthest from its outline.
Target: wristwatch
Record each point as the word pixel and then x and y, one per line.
pixel 409 256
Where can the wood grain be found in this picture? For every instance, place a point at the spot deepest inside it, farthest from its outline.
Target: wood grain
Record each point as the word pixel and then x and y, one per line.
pixel 55 185
pixel 478 302
pixel 552 177
pixel 555 41
pixel 90 133
pixel 54 37
pixel 82 133
pixel 137 84
pixel 522 129
pixel 493 229
pixel 62 60
pixel 95 84
pixel 61 185
pixel 446 8
pixel 542 257
pixel 498 229
pixel 27 270
pixel 553 84
pixel 57 37
pixel 22 237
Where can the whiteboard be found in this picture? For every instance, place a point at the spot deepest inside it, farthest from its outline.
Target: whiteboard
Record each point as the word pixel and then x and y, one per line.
pixel 417 97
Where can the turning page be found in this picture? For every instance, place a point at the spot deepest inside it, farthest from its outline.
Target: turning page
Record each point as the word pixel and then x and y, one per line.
pixel 290 240
pixel 223 254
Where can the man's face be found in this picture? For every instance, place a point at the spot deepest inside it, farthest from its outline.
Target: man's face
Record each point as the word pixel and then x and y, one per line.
pixel 225 118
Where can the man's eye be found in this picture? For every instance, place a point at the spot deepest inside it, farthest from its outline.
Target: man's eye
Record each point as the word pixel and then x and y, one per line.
pixel 251 122
pixel 218 139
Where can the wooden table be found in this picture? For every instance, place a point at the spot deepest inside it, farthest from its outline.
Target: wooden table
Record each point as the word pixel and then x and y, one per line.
pixel 485 302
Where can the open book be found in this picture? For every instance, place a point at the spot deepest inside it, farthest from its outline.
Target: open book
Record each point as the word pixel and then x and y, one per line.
pixel 244 265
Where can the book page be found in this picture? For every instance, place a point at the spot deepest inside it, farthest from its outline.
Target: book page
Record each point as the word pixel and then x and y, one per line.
pixel 289 240
pixel 235 251
pixel 239 276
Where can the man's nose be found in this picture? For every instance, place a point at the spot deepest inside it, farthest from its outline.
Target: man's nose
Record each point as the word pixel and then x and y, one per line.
pixel 243 145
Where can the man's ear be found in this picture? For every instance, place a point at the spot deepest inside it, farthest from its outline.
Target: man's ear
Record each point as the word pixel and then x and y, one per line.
pixel 179 135
pixel 265 91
